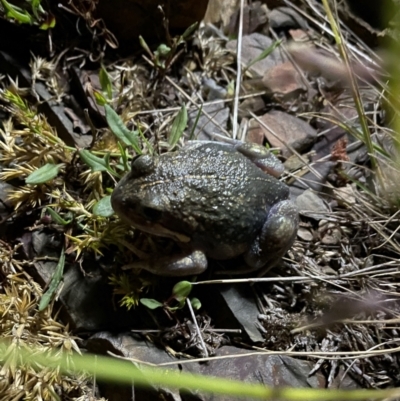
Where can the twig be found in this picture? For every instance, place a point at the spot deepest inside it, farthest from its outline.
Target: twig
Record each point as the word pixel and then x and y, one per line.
pixel 239 72
pixel 203 345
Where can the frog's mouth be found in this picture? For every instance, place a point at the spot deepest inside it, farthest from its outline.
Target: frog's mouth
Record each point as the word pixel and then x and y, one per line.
pixel 152 227
pixel 157 229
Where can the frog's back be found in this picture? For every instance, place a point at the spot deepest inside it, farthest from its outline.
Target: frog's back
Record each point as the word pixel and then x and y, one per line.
pixel 222 173
pixel 218 196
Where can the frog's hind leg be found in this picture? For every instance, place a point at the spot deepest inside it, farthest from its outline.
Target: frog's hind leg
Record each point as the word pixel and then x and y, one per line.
pixel 276 237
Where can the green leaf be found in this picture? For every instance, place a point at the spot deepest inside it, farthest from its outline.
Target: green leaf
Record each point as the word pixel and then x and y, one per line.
pixel 196 304
pixel 36 8
pixel 117 126
pixel 105 82
pixel 161 54
pixel 44 174
pixel 94 162
pixel 133 138
pixel 178 126
pixel 188 32
pixel 22 16
pixel 100 99
pixel 230 89
pixel 56 217
pixel 181 290
pixel 55 281
pixel 145 46
pixel 150 303
pixel 103 207
pixel 264 54
pixel 163 50
pixel 35 4
pixel 49 23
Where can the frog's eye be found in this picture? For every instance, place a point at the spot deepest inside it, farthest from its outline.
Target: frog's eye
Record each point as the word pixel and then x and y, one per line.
pixel 142 165
pixel 151 214
pixel 134 160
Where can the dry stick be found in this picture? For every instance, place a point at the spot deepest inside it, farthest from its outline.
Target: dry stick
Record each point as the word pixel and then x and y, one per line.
pixel 219 101
pixel 317 174
pixel 342 46
pixel 203 345
pixel 332 355
pixel 294 64
pixel 343 321
pixel 326 29
pixel 196 105
pixel 306 279
pixel 210 330
pixel 385 224
pixel 309 165
pixel 357 53
pixel 376 226
pixel 239 71
pixel 189 99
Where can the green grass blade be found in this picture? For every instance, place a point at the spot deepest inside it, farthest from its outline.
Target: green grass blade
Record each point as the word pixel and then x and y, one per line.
pixel 54 283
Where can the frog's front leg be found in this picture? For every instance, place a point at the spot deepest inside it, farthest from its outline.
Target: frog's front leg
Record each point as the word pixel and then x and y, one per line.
pixel 181 264
pixel 276 237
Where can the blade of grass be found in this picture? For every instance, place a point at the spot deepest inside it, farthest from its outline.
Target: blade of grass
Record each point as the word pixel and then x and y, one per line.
pixel 122 371
pixel 105 82
pixel 354 86
pixel 265 53
pixel 191 135
pixel 178 126
pixel 54 283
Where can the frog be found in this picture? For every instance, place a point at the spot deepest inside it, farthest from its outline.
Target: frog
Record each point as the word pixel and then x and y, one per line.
pixel 215 200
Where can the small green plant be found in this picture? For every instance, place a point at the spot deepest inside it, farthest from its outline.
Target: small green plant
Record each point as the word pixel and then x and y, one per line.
pixel 23 327
pixel 32 152
pixel 177 300
pixel 32 14
pixel 130 287
pixel 166 54
pixel 97 163
pixel 127 137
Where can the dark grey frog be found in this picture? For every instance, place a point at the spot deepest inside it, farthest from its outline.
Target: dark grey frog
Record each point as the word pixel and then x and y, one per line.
pixel 215 200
